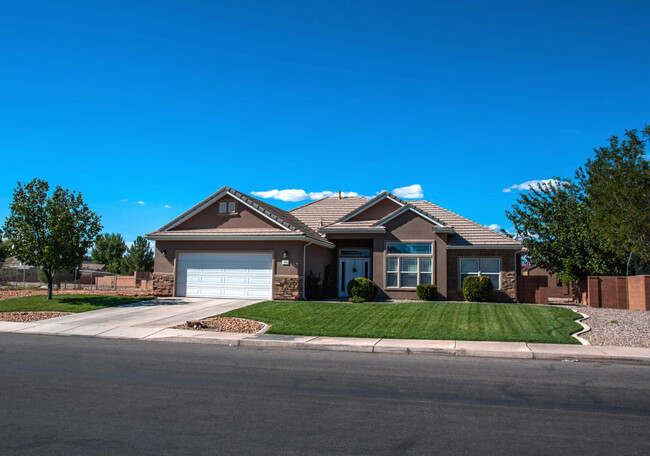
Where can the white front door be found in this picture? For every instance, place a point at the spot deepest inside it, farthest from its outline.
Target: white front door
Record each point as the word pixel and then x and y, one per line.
pixel 351 268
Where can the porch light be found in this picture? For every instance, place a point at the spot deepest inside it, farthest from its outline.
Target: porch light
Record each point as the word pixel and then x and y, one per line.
pixel 285 255
pixel 164 252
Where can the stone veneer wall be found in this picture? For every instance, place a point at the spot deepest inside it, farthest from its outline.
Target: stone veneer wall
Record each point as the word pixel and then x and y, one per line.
pixel 163 284
pixel 507 293
pixel 287 288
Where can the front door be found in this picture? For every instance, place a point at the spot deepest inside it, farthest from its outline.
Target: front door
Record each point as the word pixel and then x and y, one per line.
pixel 351 268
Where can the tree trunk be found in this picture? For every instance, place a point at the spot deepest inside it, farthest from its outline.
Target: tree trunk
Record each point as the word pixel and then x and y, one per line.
pixel 49 287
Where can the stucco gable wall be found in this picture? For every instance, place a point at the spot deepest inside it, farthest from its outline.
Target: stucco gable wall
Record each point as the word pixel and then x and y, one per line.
pixel 377 211
pixel 244 218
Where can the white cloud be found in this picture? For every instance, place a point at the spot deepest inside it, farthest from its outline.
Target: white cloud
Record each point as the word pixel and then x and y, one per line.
pixel 124 200
pixel 128 244
pixel 167 206
pixel 141 203
pixel 495 227
pixel 411 192
pixel 291 194
pixel 528 184
pixel 294 194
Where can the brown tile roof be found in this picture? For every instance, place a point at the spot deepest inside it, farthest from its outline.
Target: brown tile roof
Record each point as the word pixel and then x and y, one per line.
pixel 467 232
pixel 327 210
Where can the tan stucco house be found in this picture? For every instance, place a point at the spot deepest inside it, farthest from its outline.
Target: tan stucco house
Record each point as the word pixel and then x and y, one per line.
pixel 231 245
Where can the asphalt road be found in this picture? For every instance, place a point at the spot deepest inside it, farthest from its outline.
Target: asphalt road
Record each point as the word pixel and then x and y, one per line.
pixel 73 395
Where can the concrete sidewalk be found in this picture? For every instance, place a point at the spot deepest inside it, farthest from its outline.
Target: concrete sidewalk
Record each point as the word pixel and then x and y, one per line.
pixel 153 332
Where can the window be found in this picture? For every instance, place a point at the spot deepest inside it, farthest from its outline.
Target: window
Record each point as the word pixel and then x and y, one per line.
pixel 408 272
pixel 488 267
pixel 231 206
pixel 223 208
pixel 354 253
pixel 491 267
pixel 411 248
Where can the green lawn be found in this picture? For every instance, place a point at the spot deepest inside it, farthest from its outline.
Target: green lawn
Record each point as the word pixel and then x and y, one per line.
pixel 417 320
pixel 66 303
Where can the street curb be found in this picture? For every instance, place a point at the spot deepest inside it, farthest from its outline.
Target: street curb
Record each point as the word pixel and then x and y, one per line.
pixel 491 349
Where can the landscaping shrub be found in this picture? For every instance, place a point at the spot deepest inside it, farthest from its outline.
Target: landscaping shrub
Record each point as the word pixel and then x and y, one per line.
pixel 363 288
pixel 357 299
pixel 313 287
pixel 477 288
pixel 427 292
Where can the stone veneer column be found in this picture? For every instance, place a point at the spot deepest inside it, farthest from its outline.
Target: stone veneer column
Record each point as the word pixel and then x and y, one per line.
pixel 163 284
pixel 287 288
pixel 508 284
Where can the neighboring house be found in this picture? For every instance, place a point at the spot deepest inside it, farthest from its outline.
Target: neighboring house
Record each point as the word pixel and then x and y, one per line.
pixel 556 289
pixel 15 271
pixel 88 272
pixel 233 245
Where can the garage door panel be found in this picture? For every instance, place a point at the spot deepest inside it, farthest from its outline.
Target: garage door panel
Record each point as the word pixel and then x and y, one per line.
pixel 225 275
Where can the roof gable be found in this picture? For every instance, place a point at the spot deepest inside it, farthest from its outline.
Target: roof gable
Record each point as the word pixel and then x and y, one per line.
pixel 409 208
pixel 214 198
pixel 372 202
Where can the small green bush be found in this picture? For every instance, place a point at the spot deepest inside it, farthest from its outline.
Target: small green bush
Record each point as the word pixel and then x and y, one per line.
pixel 477 289
pixel 357 300
pixel 427 292
pixel 363 288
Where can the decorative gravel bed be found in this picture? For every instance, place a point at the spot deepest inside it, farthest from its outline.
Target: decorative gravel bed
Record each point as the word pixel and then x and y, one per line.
pixel 8 294
pixel 227 324
pixel 24 317
pixel 624 328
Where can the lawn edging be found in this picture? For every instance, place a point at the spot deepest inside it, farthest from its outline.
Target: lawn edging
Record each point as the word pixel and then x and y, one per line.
pixel 585 328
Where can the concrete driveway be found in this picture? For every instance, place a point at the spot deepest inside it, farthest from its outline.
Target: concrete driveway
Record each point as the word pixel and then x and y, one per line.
pixel 138 319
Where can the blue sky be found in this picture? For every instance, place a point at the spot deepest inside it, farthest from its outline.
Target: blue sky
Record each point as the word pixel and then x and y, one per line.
pixel 149 107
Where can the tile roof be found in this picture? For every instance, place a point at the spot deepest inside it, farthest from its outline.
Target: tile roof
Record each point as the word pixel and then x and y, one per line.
pixel 467 232
pixel 327 210
pixel 326 214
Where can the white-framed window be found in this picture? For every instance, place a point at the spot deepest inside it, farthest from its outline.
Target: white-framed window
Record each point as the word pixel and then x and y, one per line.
pixel 232 206
pixel 488 267
pixel 406 265
pixel 408 248
pixel 223 207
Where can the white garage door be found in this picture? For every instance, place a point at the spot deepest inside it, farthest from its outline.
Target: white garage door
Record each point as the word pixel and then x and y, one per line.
pixel 225 275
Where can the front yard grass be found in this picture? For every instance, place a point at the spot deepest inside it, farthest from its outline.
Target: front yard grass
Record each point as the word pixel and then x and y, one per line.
pixel 417 320
pixel 66 303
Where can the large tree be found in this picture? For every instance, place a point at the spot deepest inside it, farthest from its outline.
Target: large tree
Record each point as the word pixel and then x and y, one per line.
pixel 553 220
pixel 617 184
pixel 138 258
pixel 51 232
pixel 109 250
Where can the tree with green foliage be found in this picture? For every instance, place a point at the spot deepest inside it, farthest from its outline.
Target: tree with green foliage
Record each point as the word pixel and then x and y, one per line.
pixel 138 258
pixel 554 222
pixel 50 232
pixel 617 184
pixel 109 250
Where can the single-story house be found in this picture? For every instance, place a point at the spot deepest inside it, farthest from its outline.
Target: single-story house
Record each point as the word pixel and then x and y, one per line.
pixel 232 245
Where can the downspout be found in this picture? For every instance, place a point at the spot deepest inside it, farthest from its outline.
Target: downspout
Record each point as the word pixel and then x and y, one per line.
pixel 304 266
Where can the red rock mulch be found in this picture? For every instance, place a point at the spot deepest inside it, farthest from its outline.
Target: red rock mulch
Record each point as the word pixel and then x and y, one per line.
pixel 24 317
pixel 227 324
pixel 8 294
